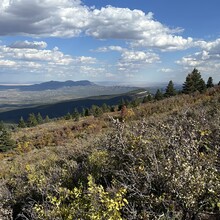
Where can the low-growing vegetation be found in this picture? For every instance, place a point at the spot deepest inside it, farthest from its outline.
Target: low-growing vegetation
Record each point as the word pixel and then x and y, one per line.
pixel 158 160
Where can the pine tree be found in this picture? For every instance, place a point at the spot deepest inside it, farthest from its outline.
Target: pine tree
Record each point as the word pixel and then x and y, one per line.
pixel 121 104
pixel 83 112
pixel 76 115
pixel 47 119
pixel 135 102
pixel 97 112
pixel 68 116
pixel 105 108
pixel 113 108
pixel 39 118
pixel 158 95
pixel 87 112
pixel 21 123
pixel 32 121
pixel 170 90
pixel 209 83
pixel 147 98
pixel 6 143
pixel 194 82
pixel 188 86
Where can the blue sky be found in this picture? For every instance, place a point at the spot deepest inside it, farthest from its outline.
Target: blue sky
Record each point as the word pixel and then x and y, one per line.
pixel 127 40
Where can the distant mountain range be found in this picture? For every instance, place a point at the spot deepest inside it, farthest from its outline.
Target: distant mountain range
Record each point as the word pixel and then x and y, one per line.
pixel 51 85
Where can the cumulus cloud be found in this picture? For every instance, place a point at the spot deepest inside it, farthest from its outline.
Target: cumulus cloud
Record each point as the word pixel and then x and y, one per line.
pixel 7 63
pixel 83 59
pixel 139 57
pixel 110 48
pixel 28 44
pixel 166 70
pixel 70 18
pixel 42 17
pixel 207 60
pixel 30 54
pixel 135 60
pixel 212 47
pixel 165 42
pixel 44 61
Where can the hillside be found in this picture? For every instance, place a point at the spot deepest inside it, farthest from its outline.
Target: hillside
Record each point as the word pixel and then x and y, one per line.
pixel 51 85
pixel 59 109
pixel 41 96
pixel 156 161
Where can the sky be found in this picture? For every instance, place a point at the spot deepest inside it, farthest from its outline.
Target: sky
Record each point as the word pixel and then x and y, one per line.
pixel 115 41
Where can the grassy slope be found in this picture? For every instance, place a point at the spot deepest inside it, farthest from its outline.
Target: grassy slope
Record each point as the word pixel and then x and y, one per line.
pixel 67 133
pixel 63 139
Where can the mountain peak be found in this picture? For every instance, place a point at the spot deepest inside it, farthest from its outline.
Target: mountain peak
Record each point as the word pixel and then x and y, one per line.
pixel 53 85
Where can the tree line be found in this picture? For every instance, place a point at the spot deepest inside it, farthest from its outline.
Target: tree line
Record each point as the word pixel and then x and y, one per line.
pixel 193 82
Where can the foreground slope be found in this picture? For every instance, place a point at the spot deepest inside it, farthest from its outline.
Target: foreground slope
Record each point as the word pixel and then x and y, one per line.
pixel 161 162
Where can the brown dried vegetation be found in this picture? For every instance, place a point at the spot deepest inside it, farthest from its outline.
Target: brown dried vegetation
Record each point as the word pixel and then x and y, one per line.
pixel 160 162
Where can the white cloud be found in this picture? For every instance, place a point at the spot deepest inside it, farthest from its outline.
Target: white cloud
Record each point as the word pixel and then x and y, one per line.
pixel 42 17
pixel 135 60
pixel 29 54
pixel 165 42
pixel 88 60
pixel 166 70
pixel 110 48
pixel 7 63
pixel 139 57
pixel 28 44
pixel 46 62
pixel 70 18
pixel 92 72
pixel 207 60
pixel 212 46
pixel 123 23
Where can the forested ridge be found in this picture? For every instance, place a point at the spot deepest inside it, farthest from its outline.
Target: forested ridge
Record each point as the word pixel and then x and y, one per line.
pixel 154 158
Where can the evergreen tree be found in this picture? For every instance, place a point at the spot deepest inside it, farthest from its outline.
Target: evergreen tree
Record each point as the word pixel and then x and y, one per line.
pixel 209 83
pixel 47 119
pixel 32 121
pixel 201 86
pixel 76 115
pixel 170 90
pixel 188 86
pixel 194 82
pixel 121 104
pixel 21 123
pixel 158 95
pixel 39 118
pixel 105 108
pixel 112 109
pixel 83 113
pixel 87 112
pixel 135 102
pixel 96 111
pixel 6 143
pixel 68 116
pixel 147 98
pixel 127 103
